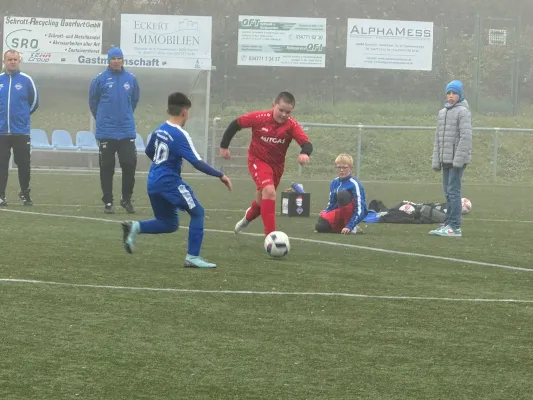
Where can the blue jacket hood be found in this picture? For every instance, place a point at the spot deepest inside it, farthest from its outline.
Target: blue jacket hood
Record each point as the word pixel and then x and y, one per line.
pixel 456 86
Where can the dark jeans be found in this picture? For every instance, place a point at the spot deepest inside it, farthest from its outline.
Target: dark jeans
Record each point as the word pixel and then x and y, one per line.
pixel 127 157
pixel 21 146
pixel 451 181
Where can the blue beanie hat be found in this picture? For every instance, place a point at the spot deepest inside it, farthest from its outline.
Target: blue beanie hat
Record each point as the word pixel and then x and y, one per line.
pixel 456 86
pixel 114 52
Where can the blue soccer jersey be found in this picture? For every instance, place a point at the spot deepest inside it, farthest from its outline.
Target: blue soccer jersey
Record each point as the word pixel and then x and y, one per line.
pixel 169 144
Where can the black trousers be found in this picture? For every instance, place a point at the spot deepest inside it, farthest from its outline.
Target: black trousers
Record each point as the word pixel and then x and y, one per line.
pixel 127 158
pixel 21 146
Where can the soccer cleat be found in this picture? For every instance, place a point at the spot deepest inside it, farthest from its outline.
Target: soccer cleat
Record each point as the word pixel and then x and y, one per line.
pixel 434 231
pixel 109 209
pixel 447 231
pixel 243 223
pixel 24 195
pixel 3 202
pixel 126 204
pixel 130 229
pixel 197 262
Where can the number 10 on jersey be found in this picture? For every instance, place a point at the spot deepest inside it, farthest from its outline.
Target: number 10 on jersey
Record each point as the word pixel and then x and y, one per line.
pixel 161 152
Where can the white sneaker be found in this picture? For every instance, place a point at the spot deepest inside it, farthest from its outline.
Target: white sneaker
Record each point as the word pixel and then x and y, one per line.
pixel 243 223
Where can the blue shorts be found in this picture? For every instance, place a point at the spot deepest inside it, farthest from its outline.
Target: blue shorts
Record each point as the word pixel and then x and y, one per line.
pixel 166 203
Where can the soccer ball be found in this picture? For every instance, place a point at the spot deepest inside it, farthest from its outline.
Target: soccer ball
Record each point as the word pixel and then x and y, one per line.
pixel 277 244
pixel 466 205
pixel 407 208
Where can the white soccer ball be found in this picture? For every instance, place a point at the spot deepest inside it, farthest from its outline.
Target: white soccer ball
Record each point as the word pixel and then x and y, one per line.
pixel 277 244
pixel 466 205
pixel 407 208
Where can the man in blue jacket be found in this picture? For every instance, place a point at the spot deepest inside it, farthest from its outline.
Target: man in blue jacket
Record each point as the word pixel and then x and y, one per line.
pixel 113 97
pixel 18 100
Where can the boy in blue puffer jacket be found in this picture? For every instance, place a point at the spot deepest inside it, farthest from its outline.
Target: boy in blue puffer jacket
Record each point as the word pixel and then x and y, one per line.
pixel 113 97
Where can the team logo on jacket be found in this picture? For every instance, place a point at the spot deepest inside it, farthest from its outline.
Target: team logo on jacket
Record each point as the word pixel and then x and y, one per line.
pixel 272 140
pixel 18 86
pixel 127 86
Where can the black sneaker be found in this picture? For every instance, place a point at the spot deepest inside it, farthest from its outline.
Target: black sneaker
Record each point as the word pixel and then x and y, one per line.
pixel 3 202
pixel 109 209
pixel 24 195
pixel 126 204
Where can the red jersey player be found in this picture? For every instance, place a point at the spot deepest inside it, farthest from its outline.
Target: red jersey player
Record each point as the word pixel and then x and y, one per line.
pixel 272 132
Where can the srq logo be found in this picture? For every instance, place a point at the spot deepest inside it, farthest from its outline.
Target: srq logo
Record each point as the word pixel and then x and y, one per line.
pixel 22 39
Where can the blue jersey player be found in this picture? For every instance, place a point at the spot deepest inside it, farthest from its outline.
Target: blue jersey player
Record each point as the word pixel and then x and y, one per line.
pixel 168 146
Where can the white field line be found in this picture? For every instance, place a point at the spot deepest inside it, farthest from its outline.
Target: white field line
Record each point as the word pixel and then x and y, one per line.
pixel 347 245
pixel 242 211
pixel 267 293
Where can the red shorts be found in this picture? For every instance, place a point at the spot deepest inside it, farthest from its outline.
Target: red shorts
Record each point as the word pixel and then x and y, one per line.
pixel 339 217
pixel 263 174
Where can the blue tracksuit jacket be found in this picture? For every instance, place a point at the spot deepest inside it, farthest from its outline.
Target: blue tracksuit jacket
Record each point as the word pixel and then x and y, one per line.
pixel 18 100
pixel 353 186
pixel 169 145
pixel 113 97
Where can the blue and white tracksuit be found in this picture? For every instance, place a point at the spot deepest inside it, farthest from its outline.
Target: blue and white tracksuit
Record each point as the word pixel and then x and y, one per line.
pixel 113 97
pixel 18 100
pixel 353 186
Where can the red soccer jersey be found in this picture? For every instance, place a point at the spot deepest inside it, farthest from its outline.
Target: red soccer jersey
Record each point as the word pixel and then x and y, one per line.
pixel 270 139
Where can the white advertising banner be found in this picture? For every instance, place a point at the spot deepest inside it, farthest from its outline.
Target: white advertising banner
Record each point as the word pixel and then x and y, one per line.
pixel 170 36
pixel 36 38
pixel 129 61
pixel 281 41
pixel 386 44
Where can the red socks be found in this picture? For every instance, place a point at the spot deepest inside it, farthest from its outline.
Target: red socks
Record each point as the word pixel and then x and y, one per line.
pixel 268 214
pixel 253 212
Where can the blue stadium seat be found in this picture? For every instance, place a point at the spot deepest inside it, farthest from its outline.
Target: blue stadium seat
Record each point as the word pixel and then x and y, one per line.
pixel 139 143
pixel 62 140
pixel 39 139
pixel 86 140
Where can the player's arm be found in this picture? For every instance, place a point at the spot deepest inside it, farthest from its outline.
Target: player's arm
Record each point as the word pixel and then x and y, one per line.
pixel 188 151
pixel 464 146
pixel 244 121
pixel 302 139
pixel 229 133
pixel 94 95
pixel 136 94
pixel 331 201
pixel 150 146
pixel 33 96
pixel 359 211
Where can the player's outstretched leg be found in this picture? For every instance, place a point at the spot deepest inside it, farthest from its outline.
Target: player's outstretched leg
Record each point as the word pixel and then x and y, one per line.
pixel 251 213
pixel 130 229
pixel 166 221
pixel 196 237
pixel 268 208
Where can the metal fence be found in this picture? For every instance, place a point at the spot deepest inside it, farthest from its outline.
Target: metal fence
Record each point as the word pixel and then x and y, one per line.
pixel 395 152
